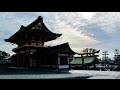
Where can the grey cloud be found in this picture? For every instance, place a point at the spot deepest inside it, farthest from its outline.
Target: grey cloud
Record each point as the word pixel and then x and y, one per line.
pixel 103 27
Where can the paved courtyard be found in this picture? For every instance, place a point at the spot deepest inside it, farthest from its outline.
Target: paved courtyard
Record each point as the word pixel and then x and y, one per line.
pixel 74 74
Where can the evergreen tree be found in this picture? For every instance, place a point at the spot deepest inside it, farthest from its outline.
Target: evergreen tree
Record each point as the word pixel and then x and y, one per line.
pixel 4 55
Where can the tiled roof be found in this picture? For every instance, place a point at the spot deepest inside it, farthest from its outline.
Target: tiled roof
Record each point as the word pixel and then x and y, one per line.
pixel 78 60
pixel 31 30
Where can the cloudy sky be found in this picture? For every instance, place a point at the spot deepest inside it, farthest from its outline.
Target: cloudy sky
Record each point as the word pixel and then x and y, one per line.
pixel 99 30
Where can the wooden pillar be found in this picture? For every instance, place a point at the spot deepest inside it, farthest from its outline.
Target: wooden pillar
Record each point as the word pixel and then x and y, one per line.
pixel 82 60
pixel 58 60
pixel 68 60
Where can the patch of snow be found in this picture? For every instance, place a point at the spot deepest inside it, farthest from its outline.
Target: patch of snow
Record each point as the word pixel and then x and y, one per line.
pixel 98 74
pixel 86 74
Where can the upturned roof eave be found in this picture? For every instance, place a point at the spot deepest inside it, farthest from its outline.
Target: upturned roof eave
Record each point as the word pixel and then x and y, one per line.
pixel 14 37
pixel 60 48
pixel 11 39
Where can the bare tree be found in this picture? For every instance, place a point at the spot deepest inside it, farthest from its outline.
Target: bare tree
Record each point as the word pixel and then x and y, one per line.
pixel 105 53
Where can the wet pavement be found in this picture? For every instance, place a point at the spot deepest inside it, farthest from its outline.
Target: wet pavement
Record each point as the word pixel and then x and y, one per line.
pixel 72 74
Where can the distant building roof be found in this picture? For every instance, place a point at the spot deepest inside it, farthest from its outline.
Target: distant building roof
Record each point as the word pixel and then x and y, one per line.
pixel 78 60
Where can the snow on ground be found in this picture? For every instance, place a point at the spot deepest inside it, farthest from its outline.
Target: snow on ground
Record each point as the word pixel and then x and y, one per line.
pixel 78 74
pixel 98 74
pixel 40 76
